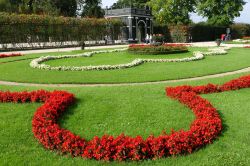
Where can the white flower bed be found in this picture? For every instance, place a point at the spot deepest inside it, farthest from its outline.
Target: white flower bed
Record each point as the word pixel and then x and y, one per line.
pixel 37 63
pixel 241 41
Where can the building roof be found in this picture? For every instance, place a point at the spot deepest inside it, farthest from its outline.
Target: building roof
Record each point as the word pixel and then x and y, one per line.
pixel 128 12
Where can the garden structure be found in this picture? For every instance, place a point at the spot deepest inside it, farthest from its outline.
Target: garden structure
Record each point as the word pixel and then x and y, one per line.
pixel 138 22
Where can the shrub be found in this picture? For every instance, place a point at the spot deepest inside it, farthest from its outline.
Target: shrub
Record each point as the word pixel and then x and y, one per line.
pixel 246 38
pixel 205 32
pixel 240 30
pixel 157 50
pixel 179 33
pixel 201 32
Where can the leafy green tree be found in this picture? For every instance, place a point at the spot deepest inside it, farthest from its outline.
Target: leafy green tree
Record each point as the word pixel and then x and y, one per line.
pixel 4 5
pixel 50 7
pixel 66 7
pixel 128 3
pixel 42 7
pixel 10 5
pixel 172 11
pixel 220 12
pixel 92 9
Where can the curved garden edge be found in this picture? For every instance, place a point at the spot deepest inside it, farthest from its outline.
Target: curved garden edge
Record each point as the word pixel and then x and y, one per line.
pixel 9 83
pixel 37 63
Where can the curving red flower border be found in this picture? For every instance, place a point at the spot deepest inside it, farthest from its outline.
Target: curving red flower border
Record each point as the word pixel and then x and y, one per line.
pixel 205 128
pixel 10 55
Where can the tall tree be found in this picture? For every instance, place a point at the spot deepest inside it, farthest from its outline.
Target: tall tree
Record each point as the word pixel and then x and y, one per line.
pixel 220 12
pixel 51 7
pixel 130 3
pixel 92 9
pixel 10 5
pixel 4 5
pixel 66 7
pixel 43 7
pixel 172 11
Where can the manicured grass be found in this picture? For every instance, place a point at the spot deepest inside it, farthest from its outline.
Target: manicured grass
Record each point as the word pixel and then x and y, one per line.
pixel 20 71
pixel 113 58
pixel 133 110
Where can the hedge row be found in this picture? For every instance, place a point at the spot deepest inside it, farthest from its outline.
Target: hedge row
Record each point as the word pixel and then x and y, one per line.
pixel 200 32
pixel 40 28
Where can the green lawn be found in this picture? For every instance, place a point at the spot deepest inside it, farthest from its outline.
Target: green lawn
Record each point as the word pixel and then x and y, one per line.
pixel 20 71
pixel 112 59
pixel 133 110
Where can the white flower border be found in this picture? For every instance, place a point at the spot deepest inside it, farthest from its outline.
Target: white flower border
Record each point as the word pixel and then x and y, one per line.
pixel 37 63
pixel 241 41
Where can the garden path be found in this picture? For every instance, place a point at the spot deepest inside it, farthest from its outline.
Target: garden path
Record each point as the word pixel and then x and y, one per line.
pixel 197 44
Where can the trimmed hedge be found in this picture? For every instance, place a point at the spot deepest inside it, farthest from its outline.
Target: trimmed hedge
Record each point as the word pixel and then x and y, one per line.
pixel 240 30
pixel 200 32
pixel 205 32
pixel 22 28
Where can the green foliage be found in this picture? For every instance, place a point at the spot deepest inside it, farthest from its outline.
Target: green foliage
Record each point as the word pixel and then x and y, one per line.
pixel 130 3
pixel 220 12
pixel 206 32
pixel 51 7
pixel 240 30
pixel 43 7
pixel 201 32
pixel 172 11
pixel 36 28
pixel 92 9
pixel 66 7
pixel 179 33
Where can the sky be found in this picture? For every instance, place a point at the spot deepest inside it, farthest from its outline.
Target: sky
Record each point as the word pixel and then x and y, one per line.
pixel 244 18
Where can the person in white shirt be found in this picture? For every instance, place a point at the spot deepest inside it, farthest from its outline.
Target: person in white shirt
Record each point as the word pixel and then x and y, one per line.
pixel 147 39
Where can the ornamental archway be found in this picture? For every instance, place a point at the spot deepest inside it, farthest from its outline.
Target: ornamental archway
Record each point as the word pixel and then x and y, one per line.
pixel 141 31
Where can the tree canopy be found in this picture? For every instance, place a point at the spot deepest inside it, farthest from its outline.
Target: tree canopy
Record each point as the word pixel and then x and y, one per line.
pixel 172 11
pixel 129 3
pixel 92 9
pixel 66 7
pixel 220 12
pixel 54 7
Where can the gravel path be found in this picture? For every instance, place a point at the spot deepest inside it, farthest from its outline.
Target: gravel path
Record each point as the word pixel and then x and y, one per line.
pixel 124 84
pixel 196 44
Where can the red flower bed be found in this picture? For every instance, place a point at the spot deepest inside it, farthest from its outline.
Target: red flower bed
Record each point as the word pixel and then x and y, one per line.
pixel 205 128
pixel 247 47
pixel 156 50
pixel 10 55
pixel 176 44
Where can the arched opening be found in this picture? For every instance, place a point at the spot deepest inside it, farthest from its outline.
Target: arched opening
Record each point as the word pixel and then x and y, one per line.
pixel 141 31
